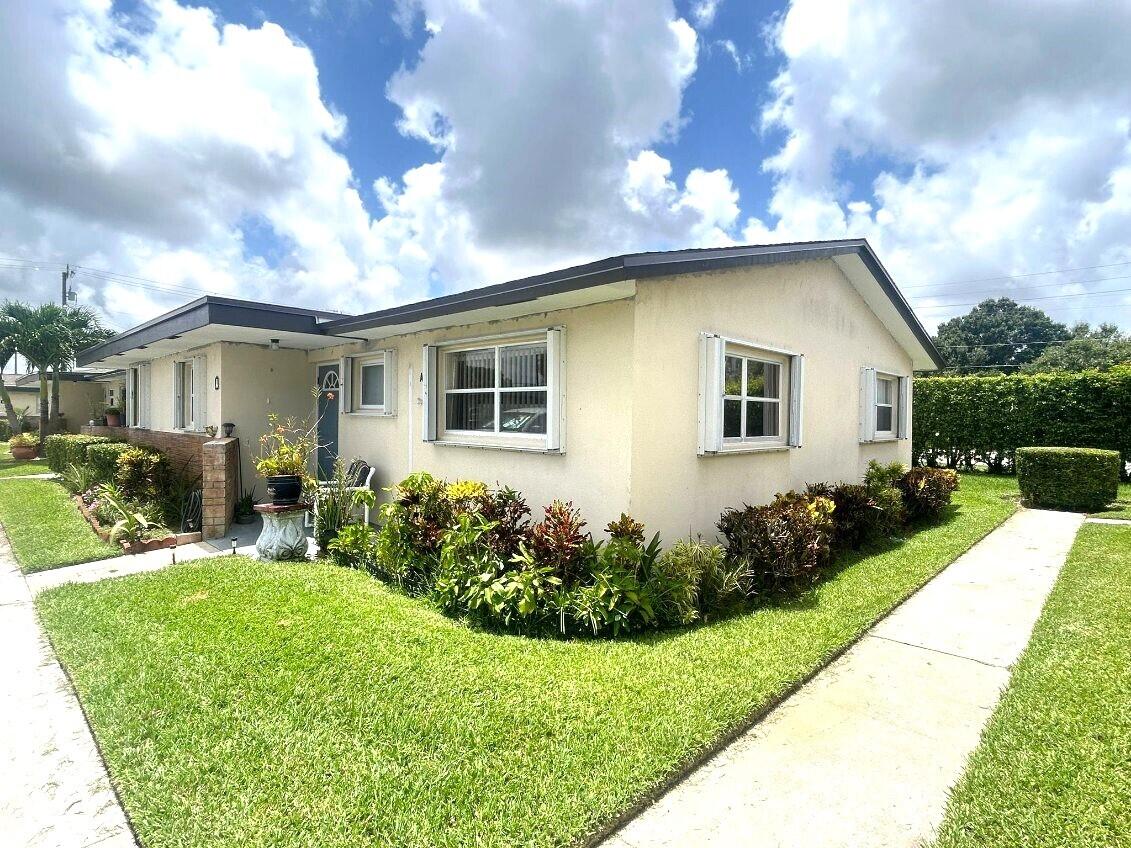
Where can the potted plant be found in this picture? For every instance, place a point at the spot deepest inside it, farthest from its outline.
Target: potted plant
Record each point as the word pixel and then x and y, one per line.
pixel 113 416
pixel 245 508
pixel 24 446
pixel 284 452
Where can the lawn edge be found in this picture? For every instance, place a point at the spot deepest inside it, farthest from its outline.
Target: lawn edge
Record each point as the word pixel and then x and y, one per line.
pixel 728 737
pixel 45 635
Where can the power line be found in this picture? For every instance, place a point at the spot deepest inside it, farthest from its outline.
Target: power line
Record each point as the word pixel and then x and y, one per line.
pixel 1001 293
pixel 1014 276
pixel 1031 299
pixel 108 276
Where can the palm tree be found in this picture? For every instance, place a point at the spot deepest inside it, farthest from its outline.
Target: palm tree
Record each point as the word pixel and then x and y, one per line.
pixel 83 330
pixel 7 351
pixel 41 334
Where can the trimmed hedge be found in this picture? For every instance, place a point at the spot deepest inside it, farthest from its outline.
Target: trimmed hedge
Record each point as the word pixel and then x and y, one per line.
pixel 963 420
pixel 102 460
pixel 1083 479
pixel 63 449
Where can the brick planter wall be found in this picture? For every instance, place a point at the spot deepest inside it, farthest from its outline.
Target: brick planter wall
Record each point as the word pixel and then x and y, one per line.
pixel 215 461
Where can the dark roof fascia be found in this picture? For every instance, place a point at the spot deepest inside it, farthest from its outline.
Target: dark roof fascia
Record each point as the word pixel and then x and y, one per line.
pixel 210 310
pixel 638 266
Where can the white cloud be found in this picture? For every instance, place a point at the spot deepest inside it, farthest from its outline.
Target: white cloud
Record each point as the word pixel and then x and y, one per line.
pixel 170 145
pixel 704 11
pixel 1005 127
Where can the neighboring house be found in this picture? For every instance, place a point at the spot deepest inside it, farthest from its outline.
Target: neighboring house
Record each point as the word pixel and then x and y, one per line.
pixel 83 394
pixel 667 385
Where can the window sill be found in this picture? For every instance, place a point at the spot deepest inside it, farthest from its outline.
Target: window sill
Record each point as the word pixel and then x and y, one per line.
pixel 879 439
pixel 371 413
pixel 739 449
pixel 448 443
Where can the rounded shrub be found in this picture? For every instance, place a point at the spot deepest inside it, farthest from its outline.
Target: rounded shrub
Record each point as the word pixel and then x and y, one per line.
pixel 1085 479
pixel 102 460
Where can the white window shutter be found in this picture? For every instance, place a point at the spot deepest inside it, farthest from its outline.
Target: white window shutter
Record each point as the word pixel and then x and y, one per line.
pixel 904 421
pixel 796 399
pixel 345 381
pixel 390 382
pixel 867 404
pixel 710 393
pixel 431 392
pixel 201 388
pixel 129 410
pixel 145 417
pixel 555 394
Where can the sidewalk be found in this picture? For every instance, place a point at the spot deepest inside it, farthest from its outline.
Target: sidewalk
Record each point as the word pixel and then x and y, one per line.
pixel 865 753
pixel 54 790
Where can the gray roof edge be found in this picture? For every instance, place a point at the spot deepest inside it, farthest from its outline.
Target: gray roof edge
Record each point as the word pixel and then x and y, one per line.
pixel 210 309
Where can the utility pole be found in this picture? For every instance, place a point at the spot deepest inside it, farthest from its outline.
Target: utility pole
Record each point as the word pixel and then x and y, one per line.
pixel 67 295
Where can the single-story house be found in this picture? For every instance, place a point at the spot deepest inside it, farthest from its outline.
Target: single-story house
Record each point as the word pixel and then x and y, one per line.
pixel 668 385
pixel 83 394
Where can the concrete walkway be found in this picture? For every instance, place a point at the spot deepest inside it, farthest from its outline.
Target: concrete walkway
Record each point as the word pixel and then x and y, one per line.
pixel 865 753
pixel 54 791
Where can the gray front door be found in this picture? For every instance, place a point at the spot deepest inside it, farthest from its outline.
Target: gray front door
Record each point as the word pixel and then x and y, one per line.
pixel 329 394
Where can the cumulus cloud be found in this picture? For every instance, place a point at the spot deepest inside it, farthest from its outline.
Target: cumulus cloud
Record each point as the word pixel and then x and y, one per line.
pixel 1002 133
pixel 704 11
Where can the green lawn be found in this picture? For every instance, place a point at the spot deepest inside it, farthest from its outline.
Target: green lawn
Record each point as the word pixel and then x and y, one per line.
pixel 256 704
pixel 1122 507
pixel 45 527
pixel 1054 765
pixel 12 467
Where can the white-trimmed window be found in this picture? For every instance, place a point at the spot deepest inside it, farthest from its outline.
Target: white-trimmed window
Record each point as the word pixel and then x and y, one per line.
pixel 883 405
pixel 189 393
pixel 137 395
pixel 749 397
pixel 369 383
pixel 500 392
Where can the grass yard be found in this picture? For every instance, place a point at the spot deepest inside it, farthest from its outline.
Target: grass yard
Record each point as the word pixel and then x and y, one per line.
pixel 12 467
pixel 1122 507
pixel 255 704
pixel 45 527
pixel 1054 765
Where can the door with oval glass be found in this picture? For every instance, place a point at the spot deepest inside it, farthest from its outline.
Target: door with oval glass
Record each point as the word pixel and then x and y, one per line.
pixel 329 398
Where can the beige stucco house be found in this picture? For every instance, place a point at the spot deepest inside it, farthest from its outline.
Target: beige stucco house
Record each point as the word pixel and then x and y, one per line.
pixel 667 385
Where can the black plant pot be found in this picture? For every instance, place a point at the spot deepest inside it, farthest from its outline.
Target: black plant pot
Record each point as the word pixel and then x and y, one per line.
pixel 284 489
pixel 228 428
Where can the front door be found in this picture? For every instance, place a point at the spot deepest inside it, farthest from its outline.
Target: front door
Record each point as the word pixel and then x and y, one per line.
pixel 329 393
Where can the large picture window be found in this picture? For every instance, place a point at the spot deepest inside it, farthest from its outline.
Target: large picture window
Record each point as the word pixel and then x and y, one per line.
pixel 500 389
pixel 501 392
pixel 750 396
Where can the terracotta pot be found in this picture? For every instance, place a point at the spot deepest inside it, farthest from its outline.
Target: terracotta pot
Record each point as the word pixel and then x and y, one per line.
pixel 25 451
pixel 113 420
pixel 284 489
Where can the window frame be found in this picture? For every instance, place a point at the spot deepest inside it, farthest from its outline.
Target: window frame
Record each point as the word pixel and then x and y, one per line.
pixel 714 348
pixel 736 352
pixel 498 390
pixel 435 375
pixel 372 362
pixel 183 394
pixel 892 432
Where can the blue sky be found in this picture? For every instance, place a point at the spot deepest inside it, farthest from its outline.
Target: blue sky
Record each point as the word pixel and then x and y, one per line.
pixel 353 154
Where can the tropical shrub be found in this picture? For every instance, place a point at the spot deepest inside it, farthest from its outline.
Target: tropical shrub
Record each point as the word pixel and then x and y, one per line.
pixel 626 527
pixel 926 492
pixel 1083 479
pixel 509 517
pixel 964 420
pixel 24 440
pixel 779 547
pixel 142 474
pixel 881 482
pixel 692 581
pixel 355 546
pixel 337 500
pixel 558 541
pixel 858 518
pixel 132 524
pixel 413 524
pixel 102 460
pixel 78 479
pixel 62 449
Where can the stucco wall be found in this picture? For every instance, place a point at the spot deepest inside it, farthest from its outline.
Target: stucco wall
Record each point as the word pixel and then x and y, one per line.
pixel 161 387
pixel 255 382
pixel 808 308
pixel 593 471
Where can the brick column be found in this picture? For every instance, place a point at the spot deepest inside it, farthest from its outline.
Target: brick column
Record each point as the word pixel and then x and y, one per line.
pixel 219 477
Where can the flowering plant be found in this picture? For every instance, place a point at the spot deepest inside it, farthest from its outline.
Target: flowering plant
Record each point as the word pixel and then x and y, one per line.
pixel 286 448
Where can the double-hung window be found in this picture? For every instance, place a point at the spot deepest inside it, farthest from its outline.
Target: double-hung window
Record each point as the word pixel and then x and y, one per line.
pixel 749 396
pixel 500 393
pixel 184 401
pixel 137 395
pixel 883 405
pixel 368 383
pixel 372 385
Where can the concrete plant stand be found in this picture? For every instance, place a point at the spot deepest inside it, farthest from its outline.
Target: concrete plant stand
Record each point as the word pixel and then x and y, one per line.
pixel 283 536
